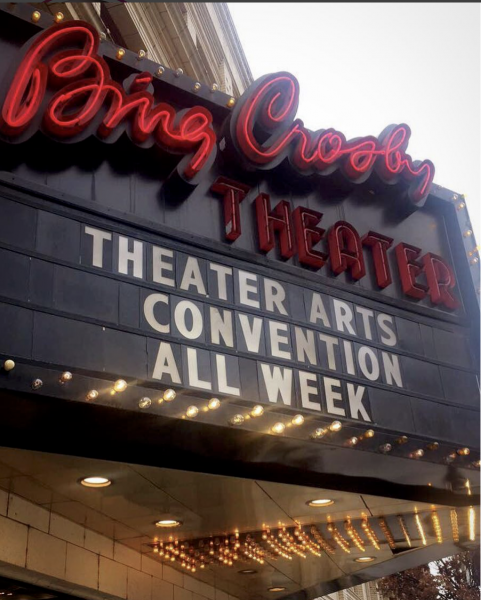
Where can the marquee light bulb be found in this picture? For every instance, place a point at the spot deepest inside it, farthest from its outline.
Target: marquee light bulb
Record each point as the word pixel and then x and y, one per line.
pixel 463 451
pixel 278 428
pixel 476 464
pixel 120 54
pixel 298 420
pixel 468 233
pixel 257 411
pixel 179 72
pixel 120 385
pixel 237 420
pixel 92 395
pixel 433 446
pixel 196 87
pixel 59 17
pixel 319 433
pixel 214 87
pixel 169 395
pixel 160 71
pixel 385 448
pixel 37 384
pixel 353 441
pixel 213 403
pixel 402 440
pixel 369 433
pixel 9 365
pixel 145 402
pixel 141 54
pixel 230 102
pixel 36 15
pixel 335 426
pixel 417 454
pixel 192 412
pixel 65 376
pixel 472 524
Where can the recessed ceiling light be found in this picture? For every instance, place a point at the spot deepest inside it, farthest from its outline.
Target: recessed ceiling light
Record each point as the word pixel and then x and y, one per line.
pixel 248 572
pixel 276 589
pixel 95 482
pixel 364 559
pixel 168 523
pixel 320 502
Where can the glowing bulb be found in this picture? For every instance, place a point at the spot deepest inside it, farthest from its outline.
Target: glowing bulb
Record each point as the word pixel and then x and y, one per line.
pixel 278 428
pixel 236 420
pixel 433 446
pixel 120 385
pixel 298 420
pixel 476 464
pixel 9 365
pixel 417 454
pixel 120 54
pixel 230 102
pixel 335 426
pixel 353 441
pixel 169 395
pixel 92 395
pixel 36 15
pixel 196 87
pixel 402 440
pixel 468 233
pixel 257 411
pixel 37 384
pixel 192 412
pixel 213 403
pixel 168 523
pixel 145 402
pixel 65 376
pixel 59 17
pixel 463 451
pixel 369 433
pixel 472 524
pixel 141 54
pixel 160 71
pixel 318 433
pixel 214 87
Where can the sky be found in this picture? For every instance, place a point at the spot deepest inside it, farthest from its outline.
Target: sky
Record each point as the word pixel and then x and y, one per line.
pixel 364 66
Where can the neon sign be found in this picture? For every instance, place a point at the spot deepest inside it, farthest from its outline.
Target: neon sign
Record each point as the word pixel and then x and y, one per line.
pixel 263 127
pixel 271 105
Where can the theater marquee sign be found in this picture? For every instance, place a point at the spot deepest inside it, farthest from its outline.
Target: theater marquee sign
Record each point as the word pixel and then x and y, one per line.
pixel 181 241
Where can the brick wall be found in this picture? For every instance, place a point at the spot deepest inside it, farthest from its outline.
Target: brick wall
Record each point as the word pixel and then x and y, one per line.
pixel 43 548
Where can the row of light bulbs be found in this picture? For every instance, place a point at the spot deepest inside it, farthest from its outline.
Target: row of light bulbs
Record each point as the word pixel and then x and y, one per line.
pixel 141 54
pixel 288 542
pixel 168 395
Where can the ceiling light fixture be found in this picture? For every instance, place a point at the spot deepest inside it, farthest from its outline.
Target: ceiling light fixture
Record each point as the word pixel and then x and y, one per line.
pixel 168 523
pixel 277 588
pixel 95 482
pixel 320 502
pixel 247 572
pixel 364 559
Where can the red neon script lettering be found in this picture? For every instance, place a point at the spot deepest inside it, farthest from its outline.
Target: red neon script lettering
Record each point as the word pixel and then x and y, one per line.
pixel 265 130
pixel 86 87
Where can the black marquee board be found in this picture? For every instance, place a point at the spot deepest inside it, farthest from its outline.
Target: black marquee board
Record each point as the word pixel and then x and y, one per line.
pixel 62 309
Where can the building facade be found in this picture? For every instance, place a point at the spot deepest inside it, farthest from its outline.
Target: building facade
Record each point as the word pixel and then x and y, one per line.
pixel 237 357
pixel 198 37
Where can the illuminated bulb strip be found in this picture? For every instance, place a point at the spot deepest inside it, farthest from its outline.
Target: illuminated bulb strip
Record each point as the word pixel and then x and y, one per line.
pixel 370 533
pixel 404 530
pixel 341 542
pixel 353 534
pixel 472 524
pixel 387 533
pixel 308 543
pixel 437 527
pixel 323 543
pixel 420 528
pixel 454 525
